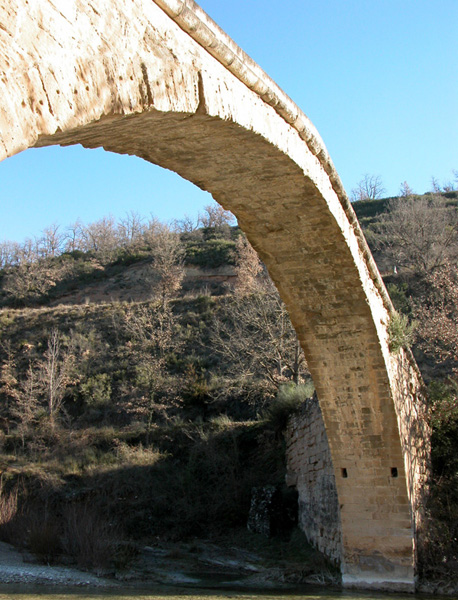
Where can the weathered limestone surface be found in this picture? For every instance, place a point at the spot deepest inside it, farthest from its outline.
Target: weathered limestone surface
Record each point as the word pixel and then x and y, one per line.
pixel 158 79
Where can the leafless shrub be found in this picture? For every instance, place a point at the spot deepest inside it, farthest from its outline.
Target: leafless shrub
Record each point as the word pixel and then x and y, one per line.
pixel 8 511
pixel 88 538
pixel 44 538
pixel 214 215
pixel 419 233
pixel 14 524
pixel 438 316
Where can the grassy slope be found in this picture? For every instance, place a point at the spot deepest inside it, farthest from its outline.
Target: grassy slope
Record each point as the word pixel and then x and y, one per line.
pixel 179 467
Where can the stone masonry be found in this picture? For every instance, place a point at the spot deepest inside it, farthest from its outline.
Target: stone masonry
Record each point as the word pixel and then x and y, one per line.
pixel 310 471
pixel 160 80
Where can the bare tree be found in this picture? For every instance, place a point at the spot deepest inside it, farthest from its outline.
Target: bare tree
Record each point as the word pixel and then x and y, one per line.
pixel 449 186
pixel 54 376
pixel 131 229
pixel 28 281
pixel 29 252
pixel 9 254
pixel 151 327
pixel 437 315
pixel 74 237
pixel 405 190
pixel 26 402
pixel 152 332
pixel 8 376
pixel 51 242
pixel 369 188
pixel 253 333
pixel 153 228
pixel 436 188
pixel 215 215
pixel 419 233
pixel 167 268
pixel 185 225
pixel 101 238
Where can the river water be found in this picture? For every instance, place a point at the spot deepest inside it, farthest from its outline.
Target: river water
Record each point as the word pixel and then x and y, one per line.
pixel 29 592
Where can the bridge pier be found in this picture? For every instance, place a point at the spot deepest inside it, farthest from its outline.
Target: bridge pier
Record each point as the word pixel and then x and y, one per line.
pixel 336 513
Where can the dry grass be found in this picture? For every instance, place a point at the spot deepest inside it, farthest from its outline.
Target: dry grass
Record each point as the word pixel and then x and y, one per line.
pixel 8 507
pixel 136 455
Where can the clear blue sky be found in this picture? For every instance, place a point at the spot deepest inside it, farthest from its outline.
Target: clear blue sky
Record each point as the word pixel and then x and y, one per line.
pixel 378 78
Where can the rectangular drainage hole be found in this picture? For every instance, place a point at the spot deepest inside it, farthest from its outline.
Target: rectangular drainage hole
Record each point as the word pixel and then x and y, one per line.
pixel 344 473
pixel 394 471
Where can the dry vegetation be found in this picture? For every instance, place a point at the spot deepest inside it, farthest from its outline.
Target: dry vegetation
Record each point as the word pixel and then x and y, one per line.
pixel 126 422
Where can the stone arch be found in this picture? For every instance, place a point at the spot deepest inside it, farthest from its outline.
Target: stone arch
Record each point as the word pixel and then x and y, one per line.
pixel 159 80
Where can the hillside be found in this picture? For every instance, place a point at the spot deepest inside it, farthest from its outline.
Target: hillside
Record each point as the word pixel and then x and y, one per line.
pixel 118 377
pixel 144 372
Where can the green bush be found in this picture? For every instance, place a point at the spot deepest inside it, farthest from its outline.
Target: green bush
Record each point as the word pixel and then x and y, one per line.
pixel 399 296
pixel 401 333
pixel 370 208
pixel 96 390
pixel 211 254
pixel 288 401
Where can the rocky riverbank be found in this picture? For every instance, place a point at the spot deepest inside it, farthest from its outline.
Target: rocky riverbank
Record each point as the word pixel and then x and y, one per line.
pixel 196 564
pixel 16 568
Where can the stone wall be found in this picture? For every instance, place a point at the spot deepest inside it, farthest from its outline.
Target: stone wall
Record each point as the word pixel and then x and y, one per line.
pixel 310 471
pixel 415 434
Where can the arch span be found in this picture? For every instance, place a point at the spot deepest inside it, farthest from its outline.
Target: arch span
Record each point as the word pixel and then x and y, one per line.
pixel 159 80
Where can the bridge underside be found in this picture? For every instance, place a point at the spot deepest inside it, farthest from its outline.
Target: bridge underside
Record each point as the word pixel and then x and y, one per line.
pixel 129 79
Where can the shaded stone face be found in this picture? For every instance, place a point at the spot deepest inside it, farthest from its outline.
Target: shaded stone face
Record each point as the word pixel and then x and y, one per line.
pixel 159 80
pixel 310 471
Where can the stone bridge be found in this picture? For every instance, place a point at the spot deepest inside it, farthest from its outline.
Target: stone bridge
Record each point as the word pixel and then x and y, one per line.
pixel 160 80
